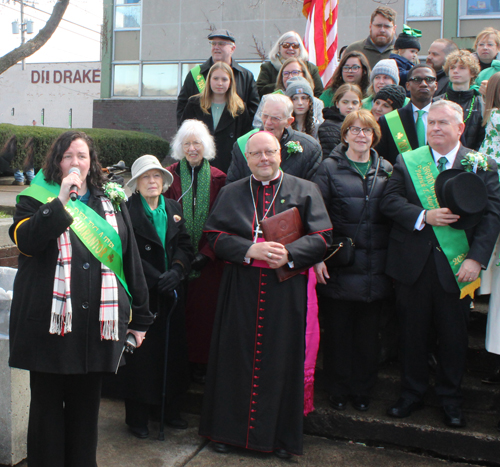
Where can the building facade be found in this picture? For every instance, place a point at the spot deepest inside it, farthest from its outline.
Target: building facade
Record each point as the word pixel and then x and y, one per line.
pixel 150 46
pixel 50 94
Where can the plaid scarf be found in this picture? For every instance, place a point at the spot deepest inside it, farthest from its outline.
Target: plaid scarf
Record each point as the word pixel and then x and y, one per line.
pixel 61 319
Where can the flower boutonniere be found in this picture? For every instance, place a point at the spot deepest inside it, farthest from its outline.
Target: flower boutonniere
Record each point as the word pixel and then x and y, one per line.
pixel 115 193
pixel 474 161
pixel 293 147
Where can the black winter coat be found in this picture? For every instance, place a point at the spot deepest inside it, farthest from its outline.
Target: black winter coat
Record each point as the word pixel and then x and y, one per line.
pixel 82 350
pixel 329 130
pixel 266 81
pixel 245 87
pixel 227 132
pixel 141 378
pixel 344 192
pixel 474 132
pixel 301 164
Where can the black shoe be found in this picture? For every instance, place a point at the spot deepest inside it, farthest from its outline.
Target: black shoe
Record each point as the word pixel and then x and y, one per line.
pixel 220 447
pixel 453 416
pixel 338 402
pixel 494 378
pixel 177 422
pixel 140 432
pixel 282 454
pixel 361 403
pixel 404 408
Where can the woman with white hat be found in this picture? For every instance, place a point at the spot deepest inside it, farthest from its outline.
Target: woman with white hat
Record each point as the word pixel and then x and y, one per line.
pixel 166 253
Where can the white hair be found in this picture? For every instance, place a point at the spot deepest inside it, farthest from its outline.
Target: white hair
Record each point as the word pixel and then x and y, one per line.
pixel 282 99
pixel 453 106
pixel 193 128
pixel 274 54
pixel 266 133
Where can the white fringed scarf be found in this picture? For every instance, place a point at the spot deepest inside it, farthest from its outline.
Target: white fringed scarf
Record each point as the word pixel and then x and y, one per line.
pixel 61 319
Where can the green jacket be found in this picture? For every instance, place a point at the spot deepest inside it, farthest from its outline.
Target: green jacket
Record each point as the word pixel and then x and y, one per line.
pixel 487 73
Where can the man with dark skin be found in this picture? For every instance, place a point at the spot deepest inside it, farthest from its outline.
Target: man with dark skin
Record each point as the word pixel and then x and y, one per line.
pixel 422 86
pixel 436 58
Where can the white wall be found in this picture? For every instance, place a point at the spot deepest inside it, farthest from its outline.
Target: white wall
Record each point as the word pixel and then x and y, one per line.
pixel 54 87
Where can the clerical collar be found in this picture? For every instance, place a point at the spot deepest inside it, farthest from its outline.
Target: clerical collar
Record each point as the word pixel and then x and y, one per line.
pixel 268 181
pixel 450 156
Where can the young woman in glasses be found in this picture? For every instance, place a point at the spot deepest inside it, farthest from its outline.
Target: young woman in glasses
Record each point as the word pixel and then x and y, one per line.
pixel 353 69
pixel 289 45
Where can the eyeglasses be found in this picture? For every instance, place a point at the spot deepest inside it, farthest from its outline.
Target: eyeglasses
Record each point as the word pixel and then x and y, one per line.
pixel 287 45
pixel 351 68
pixel 219 43
pixel 195 144
pixel 270 153
pixel 383 26
pixel 272 118
pixel 356 130
pixel 287 74
pixel 427 79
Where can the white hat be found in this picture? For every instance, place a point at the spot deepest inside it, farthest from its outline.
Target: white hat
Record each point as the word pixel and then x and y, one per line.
pixel 145 163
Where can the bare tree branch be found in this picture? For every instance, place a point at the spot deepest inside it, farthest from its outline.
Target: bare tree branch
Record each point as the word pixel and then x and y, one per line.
pixel 211 26
pixel 260 51
pixel 385 2
pixel 30 47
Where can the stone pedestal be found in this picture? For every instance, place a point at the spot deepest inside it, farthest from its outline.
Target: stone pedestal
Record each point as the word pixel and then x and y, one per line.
pixel 14 409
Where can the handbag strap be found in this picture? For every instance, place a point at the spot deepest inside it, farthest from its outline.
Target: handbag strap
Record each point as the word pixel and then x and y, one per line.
pixel 367 198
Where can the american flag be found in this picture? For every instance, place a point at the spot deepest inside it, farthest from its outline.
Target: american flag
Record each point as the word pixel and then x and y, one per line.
pixel 321 35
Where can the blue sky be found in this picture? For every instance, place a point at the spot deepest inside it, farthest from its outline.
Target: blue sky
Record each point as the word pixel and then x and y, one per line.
pixel 70 43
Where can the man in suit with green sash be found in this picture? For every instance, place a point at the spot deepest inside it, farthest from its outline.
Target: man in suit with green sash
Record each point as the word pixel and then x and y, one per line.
pixel 436 267
pixel 405 129
pixel 223 46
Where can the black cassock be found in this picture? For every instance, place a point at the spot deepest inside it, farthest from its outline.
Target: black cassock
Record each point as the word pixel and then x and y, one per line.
pixel 254 392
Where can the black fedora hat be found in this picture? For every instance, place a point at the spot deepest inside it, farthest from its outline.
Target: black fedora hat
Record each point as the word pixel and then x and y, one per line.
pixel 464 193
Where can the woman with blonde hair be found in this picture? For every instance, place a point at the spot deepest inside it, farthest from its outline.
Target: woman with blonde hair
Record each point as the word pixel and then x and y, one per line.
pixel 195 186
pixel 289 45
pixel 222 110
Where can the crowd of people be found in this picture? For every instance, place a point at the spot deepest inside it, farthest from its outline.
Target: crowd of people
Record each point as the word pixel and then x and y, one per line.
pixel 358 204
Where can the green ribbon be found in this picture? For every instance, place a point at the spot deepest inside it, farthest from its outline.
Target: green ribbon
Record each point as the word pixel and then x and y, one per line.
pixel 242 141
pixel 98 236
pixel 398 131
pixel 423 173
pixel 411 32
pixel 199 79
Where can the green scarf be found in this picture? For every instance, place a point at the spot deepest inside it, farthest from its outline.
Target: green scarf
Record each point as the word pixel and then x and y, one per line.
pixel 195 218
pixel 159 219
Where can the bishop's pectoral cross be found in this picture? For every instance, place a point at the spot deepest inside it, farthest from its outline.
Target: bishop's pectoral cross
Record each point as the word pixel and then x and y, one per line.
pixel 257 231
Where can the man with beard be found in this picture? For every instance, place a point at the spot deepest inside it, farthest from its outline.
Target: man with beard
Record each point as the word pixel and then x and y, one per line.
pixel 436 58
pixel 380 43
pixel 405 129
pixel 300 153
pixel 254 392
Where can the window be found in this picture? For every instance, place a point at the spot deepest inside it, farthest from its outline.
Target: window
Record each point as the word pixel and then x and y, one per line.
pixel 128 14
pixel 480 8
pixel 424 9
pixel 126 81
pixel 160 80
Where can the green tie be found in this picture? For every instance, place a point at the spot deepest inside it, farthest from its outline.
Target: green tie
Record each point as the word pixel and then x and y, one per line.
pixel 419 125
pixel 442 161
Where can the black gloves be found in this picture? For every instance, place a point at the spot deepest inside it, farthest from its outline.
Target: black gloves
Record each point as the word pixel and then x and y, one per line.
pixel 169 280
pixel 199 262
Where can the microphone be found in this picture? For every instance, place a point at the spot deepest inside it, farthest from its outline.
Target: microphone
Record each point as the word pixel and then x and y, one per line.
pixel 73 191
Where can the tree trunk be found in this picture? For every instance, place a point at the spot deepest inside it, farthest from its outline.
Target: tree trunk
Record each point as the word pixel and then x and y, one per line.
pixel 30 47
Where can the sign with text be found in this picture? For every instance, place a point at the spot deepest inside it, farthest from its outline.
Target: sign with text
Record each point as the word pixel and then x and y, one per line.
pixel 66 76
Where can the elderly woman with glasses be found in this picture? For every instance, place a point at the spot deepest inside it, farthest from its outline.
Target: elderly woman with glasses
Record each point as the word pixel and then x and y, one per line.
pixel 196 185
pixel 352 180
pixel 166 254
pixel 289 45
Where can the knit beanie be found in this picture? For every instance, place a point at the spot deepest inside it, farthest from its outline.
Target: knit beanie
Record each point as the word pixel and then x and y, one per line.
pixel 387 67
pixel 298 85
pixel 393 94
pixel 404 41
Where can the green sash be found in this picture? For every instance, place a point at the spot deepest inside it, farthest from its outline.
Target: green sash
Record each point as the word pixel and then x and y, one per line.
pixel 397 131
pixel 453 242
pixel 98 236
pixel 199 79
pixel 242 141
